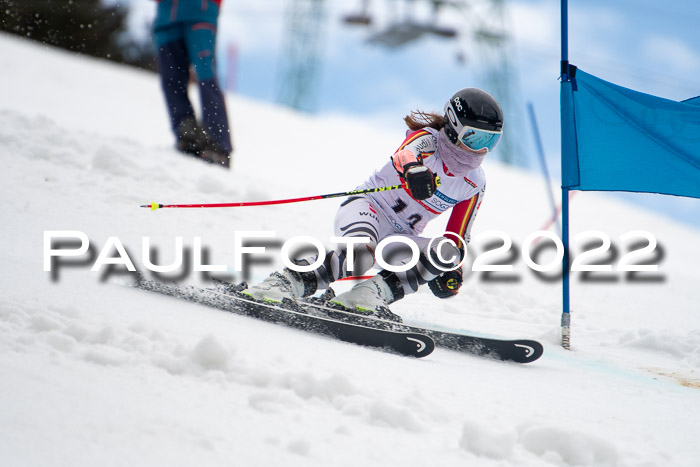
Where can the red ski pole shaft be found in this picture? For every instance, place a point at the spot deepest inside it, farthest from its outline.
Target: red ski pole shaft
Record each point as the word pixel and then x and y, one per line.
pixel 155 206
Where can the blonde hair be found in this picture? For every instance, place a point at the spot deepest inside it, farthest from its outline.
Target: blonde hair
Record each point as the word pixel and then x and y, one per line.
pixel 419 119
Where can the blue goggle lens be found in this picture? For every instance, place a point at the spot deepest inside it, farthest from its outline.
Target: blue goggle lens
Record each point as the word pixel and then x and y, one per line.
pixel 476 139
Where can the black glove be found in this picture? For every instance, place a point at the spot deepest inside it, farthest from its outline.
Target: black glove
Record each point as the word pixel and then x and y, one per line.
pixel 447 284
pixel 420 180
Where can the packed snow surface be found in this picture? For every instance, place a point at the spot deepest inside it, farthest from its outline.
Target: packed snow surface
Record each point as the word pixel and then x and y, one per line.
pixel 95 373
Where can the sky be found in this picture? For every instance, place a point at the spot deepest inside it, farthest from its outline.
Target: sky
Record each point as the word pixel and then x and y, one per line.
pixel 645 45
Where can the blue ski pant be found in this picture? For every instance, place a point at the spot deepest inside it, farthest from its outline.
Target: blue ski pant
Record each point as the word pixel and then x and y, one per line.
pixel 178 46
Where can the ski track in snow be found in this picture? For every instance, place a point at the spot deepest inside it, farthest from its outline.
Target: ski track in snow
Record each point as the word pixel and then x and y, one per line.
pixel 94 372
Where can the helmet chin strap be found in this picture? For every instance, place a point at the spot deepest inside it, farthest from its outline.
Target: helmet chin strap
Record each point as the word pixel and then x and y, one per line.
pixel 458 159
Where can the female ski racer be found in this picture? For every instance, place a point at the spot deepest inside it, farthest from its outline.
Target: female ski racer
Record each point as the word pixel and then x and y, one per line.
pixel 439 168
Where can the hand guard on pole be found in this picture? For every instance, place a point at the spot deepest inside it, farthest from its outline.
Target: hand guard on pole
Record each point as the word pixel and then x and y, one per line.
pixel 420 181
pixel 447 284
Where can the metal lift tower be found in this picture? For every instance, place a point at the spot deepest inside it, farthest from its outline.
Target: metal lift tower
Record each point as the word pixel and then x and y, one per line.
pixel 299 60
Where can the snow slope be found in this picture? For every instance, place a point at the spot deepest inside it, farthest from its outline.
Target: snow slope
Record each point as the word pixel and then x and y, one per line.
pixel 95 373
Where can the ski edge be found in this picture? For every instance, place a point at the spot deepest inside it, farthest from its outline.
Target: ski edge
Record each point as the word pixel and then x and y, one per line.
pixel 410 344
pixel 515 350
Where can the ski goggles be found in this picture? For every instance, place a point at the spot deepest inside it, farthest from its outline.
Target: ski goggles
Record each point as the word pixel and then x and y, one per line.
pixel 475 138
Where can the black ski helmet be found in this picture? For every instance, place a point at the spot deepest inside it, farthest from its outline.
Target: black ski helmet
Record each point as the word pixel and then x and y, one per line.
pixel 472 107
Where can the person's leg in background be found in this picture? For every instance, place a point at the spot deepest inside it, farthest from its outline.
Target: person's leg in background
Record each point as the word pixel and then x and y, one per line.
pixel 200 39
pixel 174 70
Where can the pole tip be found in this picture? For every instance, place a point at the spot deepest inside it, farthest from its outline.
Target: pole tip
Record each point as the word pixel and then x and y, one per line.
pixel 153 206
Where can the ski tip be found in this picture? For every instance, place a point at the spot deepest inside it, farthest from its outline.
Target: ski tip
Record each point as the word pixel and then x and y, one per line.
pixel 419 345
pixel 528 351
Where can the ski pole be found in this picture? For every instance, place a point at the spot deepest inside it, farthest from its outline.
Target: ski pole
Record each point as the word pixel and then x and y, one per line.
pixel 155 206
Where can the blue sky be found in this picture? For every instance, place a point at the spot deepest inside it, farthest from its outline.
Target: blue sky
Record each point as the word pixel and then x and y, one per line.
pixel 649 46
